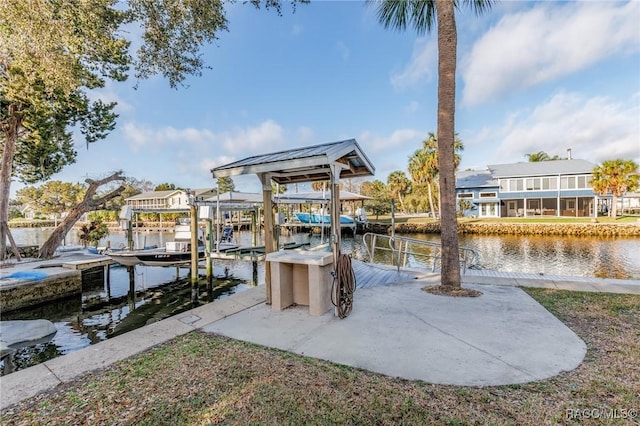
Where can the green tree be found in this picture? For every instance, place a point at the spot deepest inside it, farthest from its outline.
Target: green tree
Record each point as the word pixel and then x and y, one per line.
pixel 464 206
pixel 398 185
pixel 52 197
pixel 422 14
pixel 615 177
pixel 165 187
pixel 380 202
pixel 93 232
pixel 424 167
pixel 226 184
pixel 54 52
pixel 278 189
pixel 541 156
pixel 91 201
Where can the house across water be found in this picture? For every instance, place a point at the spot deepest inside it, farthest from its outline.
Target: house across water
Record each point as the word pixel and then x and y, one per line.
pixel 544 188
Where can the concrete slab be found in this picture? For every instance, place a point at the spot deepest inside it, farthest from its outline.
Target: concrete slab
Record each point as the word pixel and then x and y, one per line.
pixel 223 308
pixel 502 337
pixel 105 353
pixel 26 383
pixel 251 297
pixel 620 288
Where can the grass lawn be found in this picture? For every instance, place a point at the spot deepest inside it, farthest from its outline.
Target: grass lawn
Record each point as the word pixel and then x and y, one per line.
pixel 200 379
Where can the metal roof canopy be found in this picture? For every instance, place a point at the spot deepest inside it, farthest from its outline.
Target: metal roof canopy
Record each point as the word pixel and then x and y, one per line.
pixel 332 161
pixel 308 164
pixel 316 197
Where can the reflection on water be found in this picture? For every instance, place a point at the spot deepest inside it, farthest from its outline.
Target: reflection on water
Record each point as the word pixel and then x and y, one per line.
pixel 145 294
pixel 551 255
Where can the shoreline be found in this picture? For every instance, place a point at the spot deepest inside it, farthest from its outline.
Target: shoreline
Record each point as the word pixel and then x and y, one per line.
pixel 505 228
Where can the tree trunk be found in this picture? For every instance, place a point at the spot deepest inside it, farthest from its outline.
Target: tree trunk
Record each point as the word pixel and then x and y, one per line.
pixel 87 204
pixel 430 194
pixel 614 206
pixel 447 41
pixel 10 130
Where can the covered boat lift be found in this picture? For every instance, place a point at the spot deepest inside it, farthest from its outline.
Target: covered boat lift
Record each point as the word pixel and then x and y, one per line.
pixel 330 161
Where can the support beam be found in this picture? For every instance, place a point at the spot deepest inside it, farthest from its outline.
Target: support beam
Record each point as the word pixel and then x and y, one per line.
pixel 269 237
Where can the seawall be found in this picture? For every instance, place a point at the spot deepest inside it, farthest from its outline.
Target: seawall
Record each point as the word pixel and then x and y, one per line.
pixel 492 228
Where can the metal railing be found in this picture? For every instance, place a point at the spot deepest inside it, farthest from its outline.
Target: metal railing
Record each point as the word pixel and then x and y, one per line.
pixel 406 252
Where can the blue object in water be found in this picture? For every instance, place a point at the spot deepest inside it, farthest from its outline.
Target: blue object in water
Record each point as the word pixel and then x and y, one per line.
pixel 28 275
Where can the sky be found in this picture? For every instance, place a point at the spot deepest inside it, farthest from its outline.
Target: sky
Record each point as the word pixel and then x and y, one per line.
pixel 531 76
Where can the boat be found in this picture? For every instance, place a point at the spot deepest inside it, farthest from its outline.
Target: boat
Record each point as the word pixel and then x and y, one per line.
pixel 174 252
pixel 168 256
pixel 315 218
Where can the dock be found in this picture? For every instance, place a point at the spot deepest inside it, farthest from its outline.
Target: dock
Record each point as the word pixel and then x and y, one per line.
pixel 31 282
pixel 252 253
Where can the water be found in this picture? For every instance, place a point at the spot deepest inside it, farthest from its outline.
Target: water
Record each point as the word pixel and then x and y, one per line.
pixel 147 294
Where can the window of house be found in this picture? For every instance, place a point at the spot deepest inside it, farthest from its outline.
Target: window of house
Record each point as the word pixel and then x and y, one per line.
pixel 488 195
pixel 516 184
pixel 533 184
pixel 584 182
pixel 465 195
pixel 549 183
pixel 568 182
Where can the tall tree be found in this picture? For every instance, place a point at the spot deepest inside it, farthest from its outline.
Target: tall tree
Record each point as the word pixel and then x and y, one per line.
pixel 380 202
pixel 424 166
pixel 91 201
pixel 615 177
pixel 54 52
pixel 422 14
pixel 423 169
pixel 52 197
pixel 398 185
pixel 226 184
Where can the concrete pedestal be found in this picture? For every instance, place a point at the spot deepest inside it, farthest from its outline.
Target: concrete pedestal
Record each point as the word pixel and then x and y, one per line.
pixel 303 278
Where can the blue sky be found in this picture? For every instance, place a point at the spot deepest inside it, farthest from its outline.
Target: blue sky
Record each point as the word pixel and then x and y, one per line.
pixel 531 76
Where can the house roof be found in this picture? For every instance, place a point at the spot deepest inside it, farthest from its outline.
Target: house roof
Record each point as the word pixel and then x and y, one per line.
pixel 317 197
pixel 237 197
pixel 475 179
pixel 154 194
pixel 541 168
pixel 308 164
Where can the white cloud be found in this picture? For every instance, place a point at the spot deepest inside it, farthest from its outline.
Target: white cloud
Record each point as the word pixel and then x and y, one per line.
pixel 392 152
pixel 108 95
pixel 344 50
pixel 596 129
pixel 421 67
pixel 413 106
pixel 156 139
pixel 266 137
pixel 546 42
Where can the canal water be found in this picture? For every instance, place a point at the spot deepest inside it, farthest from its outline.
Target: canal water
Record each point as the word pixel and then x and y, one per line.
pixel 141 295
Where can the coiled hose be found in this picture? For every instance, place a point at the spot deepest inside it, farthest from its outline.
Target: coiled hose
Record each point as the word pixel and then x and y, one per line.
pixel 344 285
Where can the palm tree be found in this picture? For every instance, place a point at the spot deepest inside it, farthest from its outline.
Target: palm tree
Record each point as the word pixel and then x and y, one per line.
pixel 398 185
pixel 615 177
pixel 422 14
pixel 423 168
pixel 541 156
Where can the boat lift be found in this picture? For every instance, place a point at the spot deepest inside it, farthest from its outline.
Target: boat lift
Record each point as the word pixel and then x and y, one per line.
pixel 331 161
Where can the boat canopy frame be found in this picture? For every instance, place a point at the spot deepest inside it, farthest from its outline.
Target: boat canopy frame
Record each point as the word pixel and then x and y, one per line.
pixel 330 161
